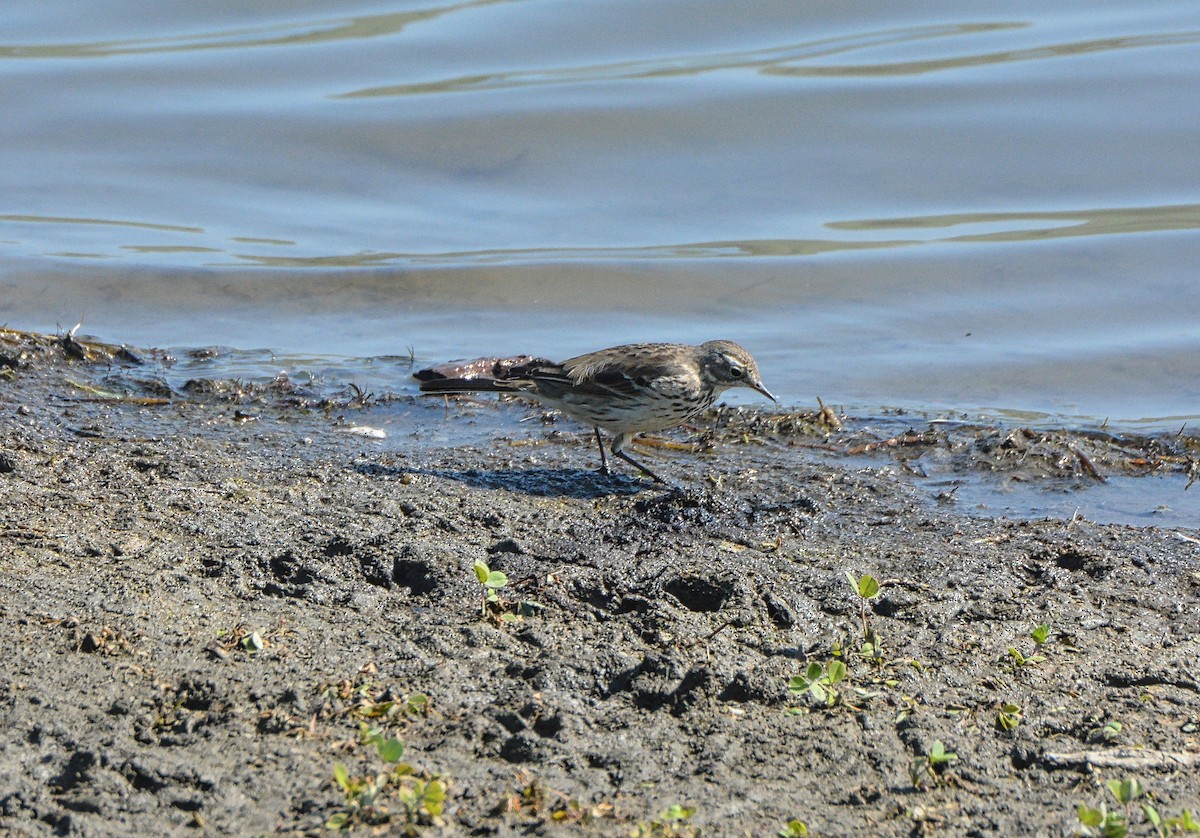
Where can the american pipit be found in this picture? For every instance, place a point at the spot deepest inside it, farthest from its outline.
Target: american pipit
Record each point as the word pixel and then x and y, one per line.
pixel 624 389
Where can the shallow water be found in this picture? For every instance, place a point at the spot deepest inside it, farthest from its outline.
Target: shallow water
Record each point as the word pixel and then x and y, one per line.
pixel 993 212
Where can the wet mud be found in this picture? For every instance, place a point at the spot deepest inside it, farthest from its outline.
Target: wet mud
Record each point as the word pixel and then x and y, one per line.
pixel 258 607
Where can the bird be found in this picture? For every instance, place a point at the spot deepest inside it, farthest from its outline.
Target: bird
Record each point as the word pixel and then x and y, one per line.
pixel 626 390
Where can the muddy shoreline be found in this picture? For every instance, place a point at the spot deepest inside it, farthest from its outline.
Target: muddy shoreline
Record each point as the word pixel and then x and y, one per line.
pixel 214 595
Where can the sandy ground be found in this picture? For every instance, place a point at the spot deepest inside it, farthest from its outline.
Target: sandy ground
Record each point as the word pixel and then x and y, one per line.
pixel 219 599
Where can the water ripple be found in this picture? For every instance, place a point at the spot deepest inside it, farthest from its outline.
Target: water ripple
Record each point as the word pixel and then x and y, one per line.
pixel 998 227
pixel 800 59
pixel 291 33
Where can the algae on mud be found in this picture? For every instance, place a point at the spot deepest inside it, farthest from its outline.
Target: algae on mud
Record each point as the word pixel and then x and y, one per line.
pixel 211 601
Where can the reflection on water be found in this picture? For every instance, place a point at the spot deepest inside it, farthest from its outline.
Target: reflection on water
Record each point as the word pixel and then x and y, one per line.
pixel 779 60
pixel 281 34
pixel 912 205
pixel 992 227
pixel 1033 226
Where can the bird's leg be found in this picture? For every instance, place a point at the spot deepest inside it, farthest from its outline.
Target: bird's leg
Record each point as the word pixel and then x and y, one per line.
pixel 618 449
pixel 603 456
pixel 641 467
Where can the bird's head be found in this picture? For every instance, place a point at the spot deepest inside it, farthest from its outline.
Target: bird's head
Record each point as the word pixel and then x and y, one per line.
pixel 725 364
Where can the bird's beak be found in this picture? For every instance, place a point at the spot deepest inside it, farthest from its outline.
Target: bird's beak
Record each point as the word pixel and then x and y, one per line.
pixel 758 385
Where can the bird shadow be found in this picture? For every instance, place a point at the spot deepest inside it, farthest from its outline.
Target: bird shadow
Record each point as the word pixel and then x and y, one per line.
pixel 540 482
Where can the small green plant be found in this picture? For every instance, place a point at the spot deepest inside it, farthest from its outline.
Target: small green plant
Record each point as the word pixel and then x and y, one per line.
pixel 422 798
pixel 360 795
pixel 1016 660
pixel 1185 823
pixel 417 704
pixel 930 768
pixel 389 747
pixel 1112 824
pixel 492 581
pixel 367 799
pixel 820 682
pixel 1108 732
pixel 1103 823
pixel 672 821
pixel 1009 716
pixel 794 829
pixel 866 588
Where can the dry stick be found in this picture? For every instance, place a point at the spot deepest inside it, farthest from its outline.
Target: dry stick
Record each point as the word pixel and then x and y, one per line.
pixel 1123 758
pixel 1087 464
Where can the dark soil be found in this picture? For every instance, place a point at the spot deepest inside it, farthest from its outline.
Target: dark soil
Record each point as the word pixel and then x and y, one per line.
pixel 214 593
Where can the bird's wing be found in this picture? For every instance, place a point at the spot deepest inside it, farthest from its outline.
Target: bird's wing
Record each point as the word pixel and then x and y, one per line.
pixel 625 376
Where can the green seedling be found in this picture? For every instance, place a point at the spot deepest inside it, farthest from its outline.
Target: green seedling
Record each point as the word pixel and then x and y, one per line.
pixel 1108 733
pixel 1008 717
pixel 866 588
pixel 1101 822
pixel 671 821
pixel 367 799
pixel 675 812
pixel 794 829
pixel 1016 660
pixel 908 706
pixel 492 581
pixel 361 794
pixel 423 798
pixel 1127 793
pixel 417 704
pixel 931 767
pixel 820 681
pixel 1184 823
pixel 389 747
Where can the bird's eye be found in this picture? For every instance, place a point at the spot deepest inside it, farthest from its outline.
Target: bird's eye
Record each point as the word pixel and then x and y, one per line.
pixel 736 372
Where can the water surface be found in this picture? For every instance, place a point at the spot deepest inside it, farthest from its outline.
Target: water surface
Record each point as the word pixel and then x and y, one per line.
pixel 990 209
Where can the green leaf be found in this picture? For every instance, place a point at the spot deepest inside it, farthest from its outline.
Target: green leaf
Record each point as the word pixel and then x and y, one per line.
pixel 390 750
pixel 338 822
pixel 495 579
pixel 342 776
pixel 835 671
pixel 435 797
pixel 481 572
pixel 939 754
pixel 868 587
pixel 1185 822
pixel 865 586
pixel 1090 817
pixel 1041 634
pixel 814 671
pixel 798 684
pixel 675 812
pixel 1125 791
pixel 1152 815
